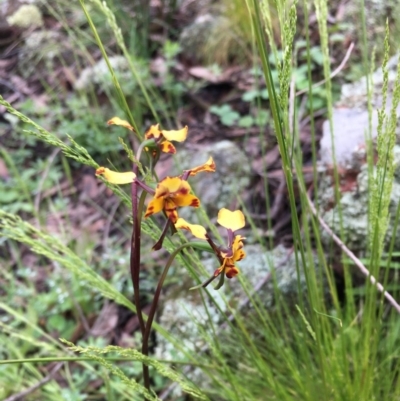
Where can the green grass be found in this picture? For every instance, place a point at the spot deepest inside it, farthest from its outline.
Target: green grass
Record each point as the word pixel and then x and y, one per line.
pixel 315 345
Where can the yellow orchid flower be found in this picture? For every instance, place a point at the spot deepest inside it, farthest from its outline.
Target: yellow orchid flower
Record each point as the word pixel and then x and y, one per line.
pixel 235 254
pixel 232 221
pixel 164 137
pixel 229 255
pixel 114 177
pixel 171 193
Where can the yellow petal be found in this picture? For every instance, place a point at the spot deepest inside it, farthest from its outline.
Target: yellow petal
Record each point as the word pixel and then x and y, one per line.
pixel 114 177
pixel 196 229
pixel 237 243
pixel 239 255
pixel 208 166
pixel 176 135
pixel 155 206
pixel 120 122
pixel 186 200
pixel 231 220
pixel 172 185
pixel 153 132
pixel 167 147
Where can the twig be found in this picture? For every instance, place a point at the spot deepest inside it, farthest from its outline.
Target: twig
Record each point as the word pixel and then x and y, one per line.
pixel 40 383
pixel 353 257
pixel 334 73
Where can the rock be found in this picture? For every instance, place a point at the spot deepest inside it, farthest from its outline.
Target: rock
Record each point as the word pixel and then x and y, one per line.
pixel 376 13
pixel 100 76
pixel 354 210
pixel 350 127
pixel 193 38
pixel 351 120
pixel 232 175
pixel 354 95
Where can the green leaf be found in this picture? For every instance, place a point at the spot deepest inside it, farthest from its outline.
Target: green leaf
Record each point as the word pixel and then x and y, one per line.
pixel 230 119
pixel 249 96
pixel 316 55
pixel 246 121
pixel 56 322
pixel 262 117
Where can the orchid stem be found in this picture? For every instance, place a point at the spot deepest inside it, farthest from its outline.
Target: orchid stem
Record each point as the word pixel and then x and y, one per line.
pixel 135 265
pixel 153 308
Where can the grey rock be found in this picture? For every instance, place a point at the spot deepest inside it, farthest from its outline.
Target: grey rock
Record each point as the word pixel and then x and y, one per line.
pixel 232 175
pixel 100 76
pixel 354 210
pixel 194 38
pixel 350 127
pixel 354 95
pixel 376 12
pixel 352 122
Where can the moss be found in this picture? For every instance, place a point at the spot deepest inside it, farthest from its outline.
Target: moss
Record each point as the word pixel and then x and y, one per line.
pixel 26 16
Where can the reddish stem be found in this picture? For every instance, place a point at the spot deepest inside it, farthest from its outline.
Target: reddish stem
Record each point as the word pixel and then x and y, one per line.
pixel 135 267
pixel 153 308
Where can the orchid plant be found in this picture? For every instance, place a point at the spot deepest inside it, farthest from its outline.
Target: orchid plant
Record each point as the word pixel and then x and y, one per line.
pixel 170 194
